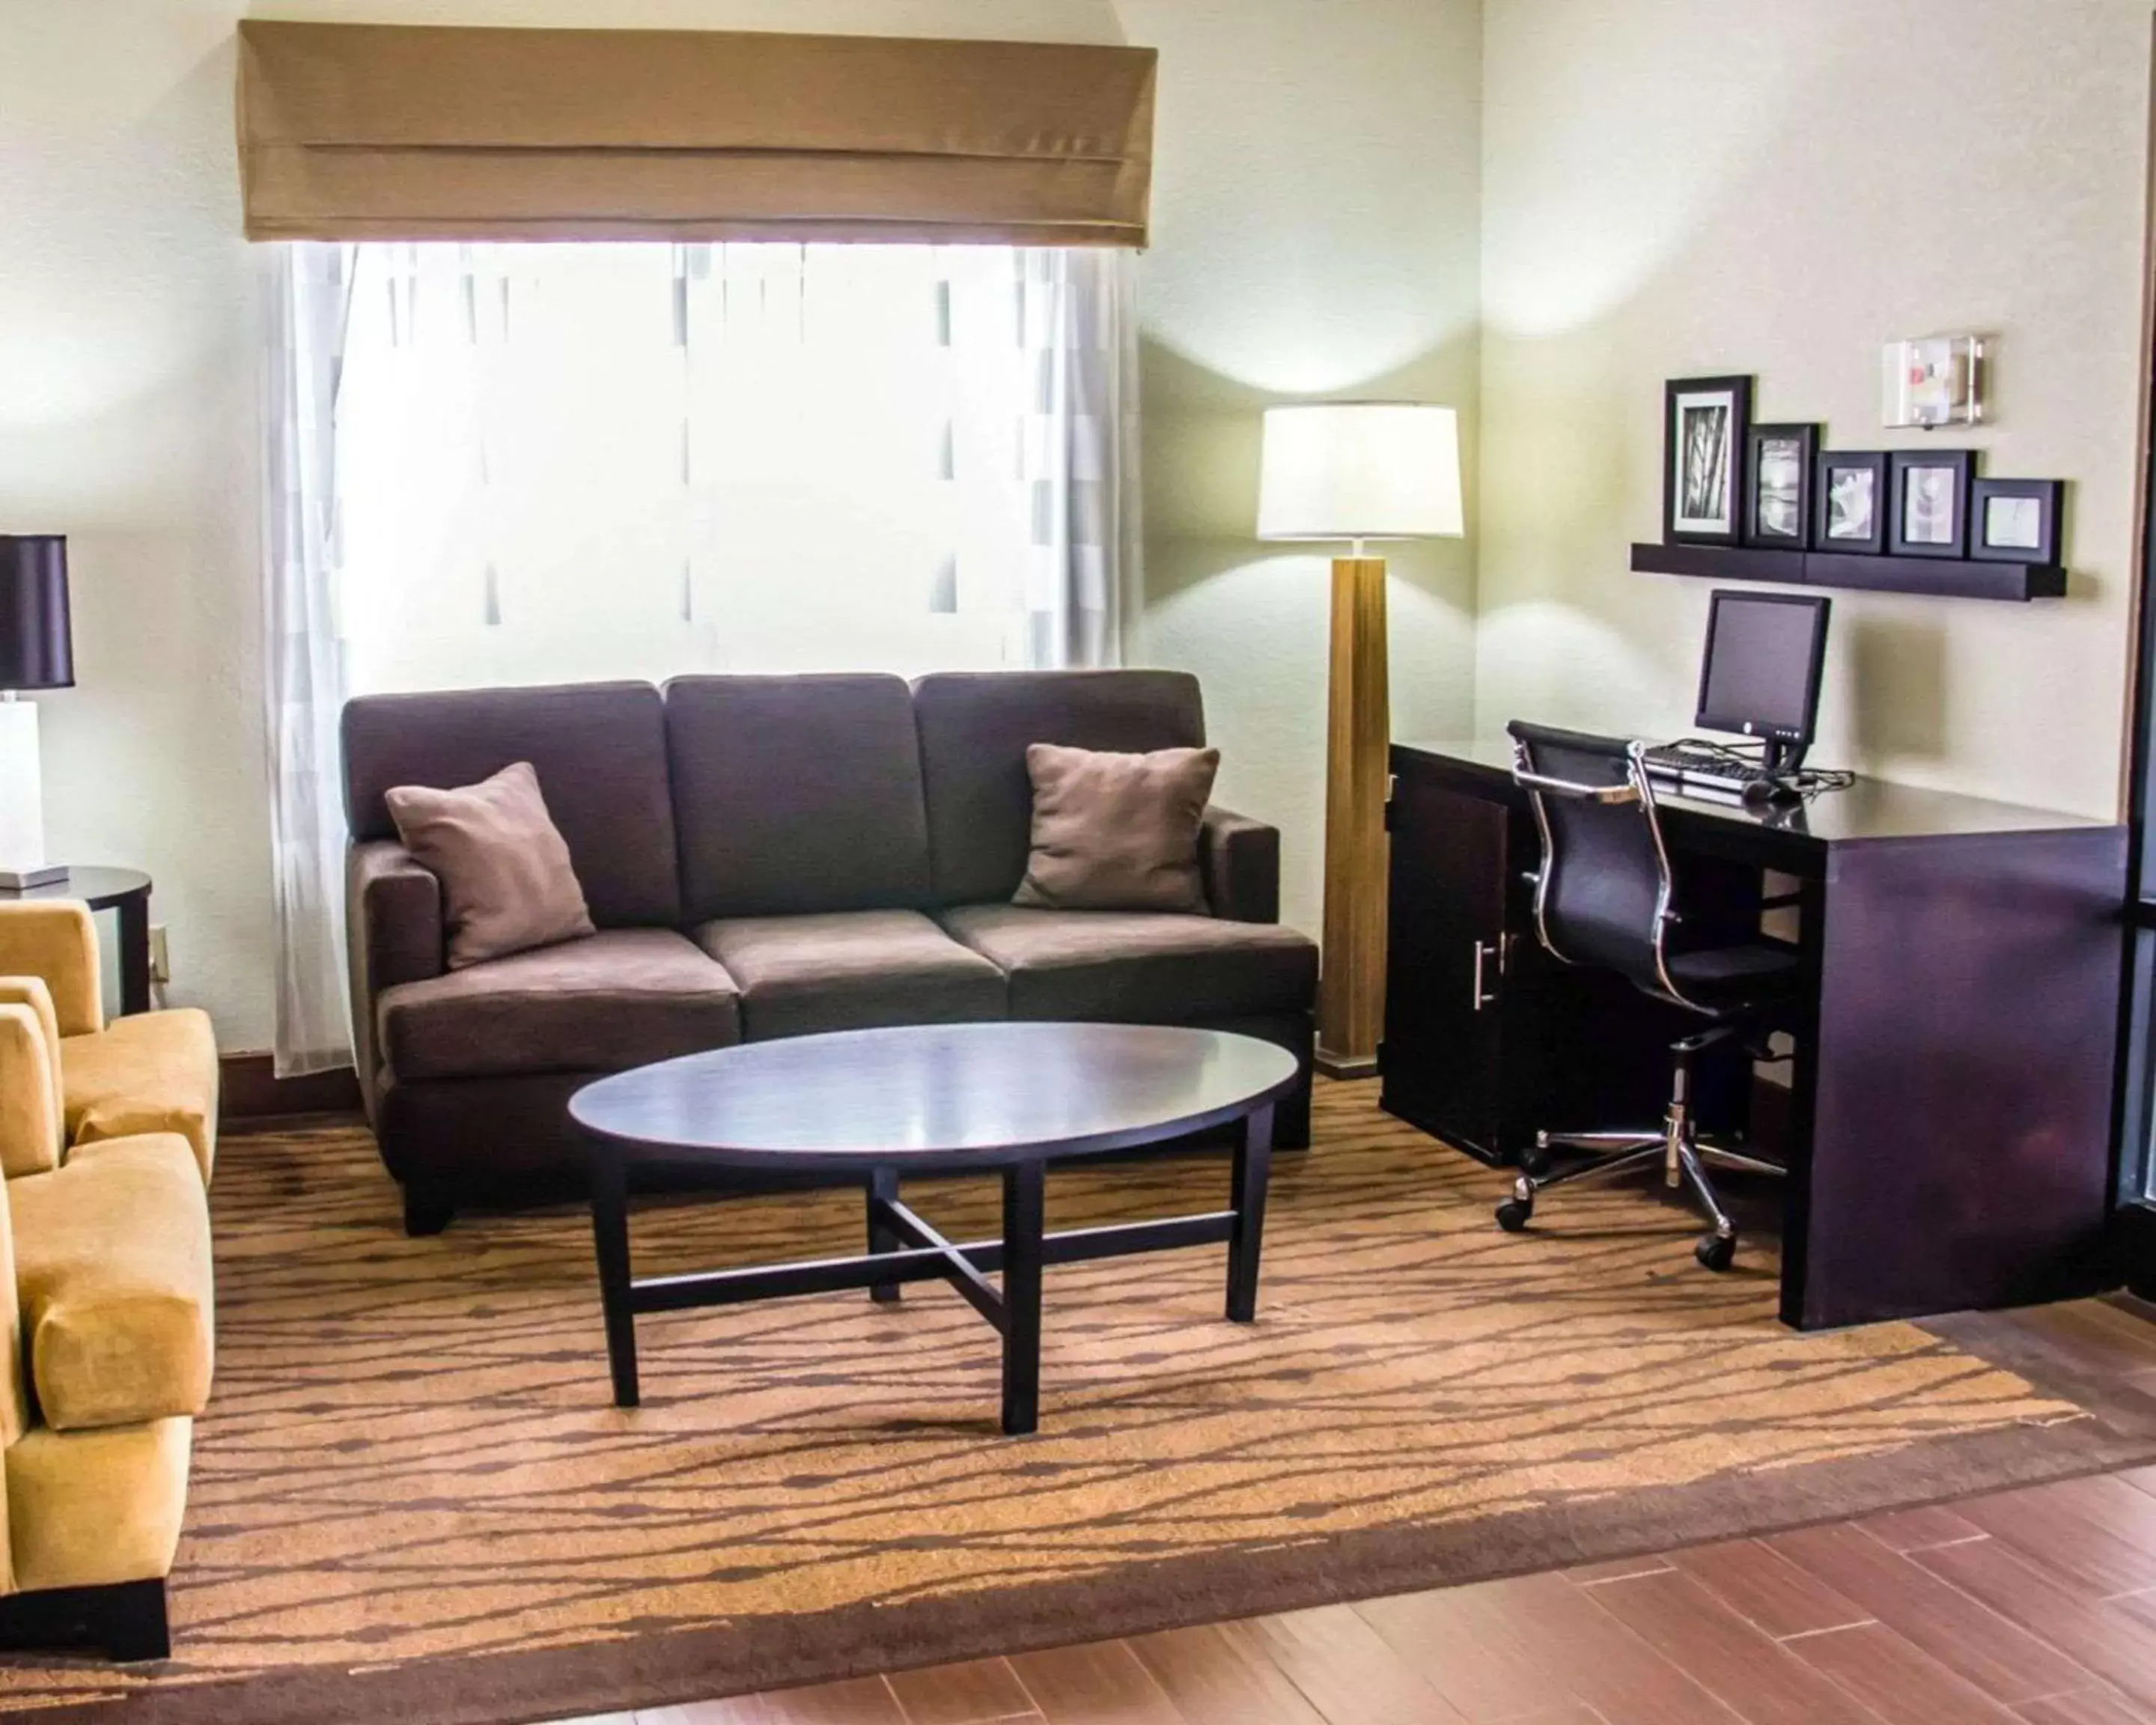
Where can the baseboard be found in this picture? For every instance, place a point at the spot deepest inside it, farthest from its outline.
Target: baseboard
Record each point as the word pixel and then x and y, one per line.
pixel 249 1089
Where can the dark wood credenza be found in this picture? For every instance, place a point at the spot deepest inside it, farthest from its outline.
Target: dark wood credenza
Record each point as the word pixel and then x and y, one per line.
pixel 1950 1102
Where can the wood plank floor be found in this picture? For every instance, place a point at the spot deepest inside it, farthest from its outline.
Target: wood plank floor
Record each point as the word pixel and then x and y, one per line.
pixel 2030 1607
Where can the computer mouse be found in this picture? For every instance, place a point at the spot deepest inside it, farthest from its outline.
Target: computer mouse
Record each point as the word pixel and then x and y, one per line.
pixel 1771 792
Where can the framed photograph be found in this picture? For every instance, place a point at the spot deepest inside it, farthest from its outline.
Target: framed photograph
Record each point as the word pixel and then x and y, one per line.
pixel 1849 511
pixel 1706 424
pixel 2017 521
pixel 1779 465
pixel 1928 515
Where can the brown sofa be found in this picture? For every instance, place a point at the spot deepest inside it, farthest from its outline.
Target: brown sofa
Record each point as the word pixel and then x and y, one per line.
pixel 765 857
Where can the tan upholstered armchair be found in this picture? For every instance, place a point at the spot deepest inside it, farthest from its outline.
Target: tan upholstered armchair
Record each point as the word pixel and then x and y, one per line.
pixel 106 1141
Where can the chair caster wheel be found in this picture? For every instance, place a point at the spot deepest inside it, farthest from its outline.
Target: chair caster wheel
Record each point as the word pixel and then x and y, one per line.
pixel 1513 1214
pixel 1717 1252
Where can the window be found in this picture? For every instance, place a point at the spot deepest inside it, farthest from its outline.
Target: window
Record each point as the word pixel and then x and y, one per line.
pixel 557 463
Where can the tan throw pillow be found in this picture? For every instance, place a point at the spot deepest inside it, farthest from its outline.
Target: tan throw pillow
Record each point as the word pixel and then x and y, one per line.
pixel 507 883
pixel 1117 832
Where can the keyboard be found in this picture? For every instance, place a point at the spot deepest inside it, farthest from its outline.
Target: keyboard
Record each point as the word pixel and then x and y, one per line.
pixel 1688 767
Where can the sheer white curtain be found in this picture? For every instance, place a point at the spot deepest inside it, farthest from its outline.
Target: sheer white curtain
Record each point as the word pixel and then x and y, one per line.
pixel 523 464
pixel 306 299
pixel 1079 331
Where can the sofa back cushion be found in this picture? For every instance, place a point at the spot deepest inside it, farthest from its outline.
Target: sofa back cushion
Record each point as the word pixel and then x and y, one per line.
pixel 797 794
pixel 599 750
pixel 975 729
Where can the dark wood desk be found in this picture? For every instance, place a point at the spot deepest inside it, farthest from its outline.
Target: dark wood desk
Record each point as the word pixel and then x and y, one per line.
pixel 1950 1101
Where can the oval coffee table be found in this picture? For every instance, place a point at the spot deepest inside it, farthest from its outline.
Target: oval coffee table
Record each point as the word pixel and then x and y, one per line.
pixel 931 1099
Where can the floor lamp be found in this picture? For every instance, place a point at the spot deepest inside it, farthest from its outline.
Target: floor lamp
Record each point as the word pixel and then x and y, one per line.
pixel 1358 471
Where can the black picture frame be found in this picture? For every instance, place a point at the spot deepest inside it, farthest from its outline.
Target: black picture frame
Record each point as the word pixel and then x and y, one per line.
pixel 1704 486
pixel 2049 496
pixel 1764 518
pixel 1834 511
pixel 1959 465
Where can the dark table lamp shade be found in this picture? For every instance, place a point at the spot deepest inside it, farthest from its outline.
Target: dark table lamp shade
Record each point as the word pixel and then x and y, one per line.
pixel 36 649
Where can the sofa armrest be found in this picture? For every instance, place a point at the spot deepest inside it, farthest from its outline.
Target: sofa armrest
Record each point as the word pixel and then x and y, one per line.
pixel 56 939
pixel 1240 859
pixel 393 934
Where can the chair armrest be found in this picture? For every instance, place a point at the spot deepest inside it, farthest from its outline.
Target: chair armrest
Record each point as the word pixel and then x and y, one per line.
pixel 1240 859
pixel 393 930
pixel 30 1130
pixel 56 939
pixel 31 991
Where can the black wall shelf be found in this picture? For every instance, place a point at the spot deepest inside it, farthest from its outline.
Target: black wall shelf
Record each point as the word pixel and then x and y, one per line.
pixel 1934 577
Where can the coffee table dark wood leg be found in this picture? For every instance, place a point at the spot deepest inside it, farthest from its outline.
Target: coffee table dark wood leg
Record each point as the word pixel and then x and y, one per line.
pixel 610 1244
pixel 883 1186
pixel 1024 1184
pixel 1254 1159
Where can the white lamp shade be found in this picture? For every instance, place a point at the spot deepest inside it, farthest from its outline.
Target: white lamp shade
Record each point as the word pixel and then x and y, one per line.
pixel 1361 470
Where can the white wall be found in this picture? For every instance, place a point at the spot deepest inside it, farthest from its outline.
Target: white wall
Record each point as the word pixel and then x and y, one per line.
pixel 1317 217
pixel 1293 255
pixel 126 421
pixel 1681 187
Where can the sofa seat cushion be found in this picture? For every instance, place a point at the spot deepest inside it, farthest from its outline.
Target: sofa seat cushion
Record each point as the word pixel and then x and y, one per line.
pixel 150 1072
pixel 614 999
pixel 1138 967
pixel 851 970
pixel 112 1262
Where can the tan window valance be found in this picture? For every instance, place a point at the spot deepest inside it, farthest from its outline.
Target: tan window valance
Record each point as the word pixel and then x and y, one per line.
pixel 379 131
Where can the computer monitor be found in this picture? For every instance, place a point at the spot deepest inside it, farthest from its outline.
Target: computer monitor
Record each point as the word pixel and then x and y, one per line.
pixel 1760 674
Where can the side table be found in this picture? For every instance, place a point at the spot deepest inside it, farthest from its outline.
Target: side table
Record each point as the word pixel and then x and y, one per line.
pixel 126 893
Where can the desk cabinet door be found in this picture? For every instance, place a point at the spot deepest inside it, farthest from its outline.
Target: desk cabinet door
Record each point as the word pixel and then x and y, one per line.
pixel 1444 982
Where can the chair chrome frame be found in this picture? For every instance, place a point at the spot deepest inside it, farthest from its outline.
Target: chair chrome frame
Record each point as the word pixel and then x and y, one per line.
pixel 1677 1146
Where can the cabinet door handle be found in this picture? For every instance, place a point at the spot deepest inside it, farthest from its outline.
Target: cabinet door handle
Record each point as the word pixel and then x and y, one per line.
pixel 1483 953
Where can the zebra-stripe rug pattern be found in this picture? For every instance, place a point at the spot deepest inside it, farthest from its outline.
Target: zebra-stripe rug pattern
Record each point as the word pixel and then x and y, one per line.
pixel 412 1463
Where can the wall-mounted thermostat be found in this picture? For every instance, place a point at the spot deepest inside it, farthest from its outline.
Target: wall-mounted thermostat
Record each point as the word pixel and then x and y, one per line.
pixel 1937 381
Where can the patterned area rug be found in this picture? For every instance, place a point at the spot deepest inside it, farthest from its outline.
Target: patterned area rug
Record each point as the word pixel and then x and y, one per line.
pixel 412 1498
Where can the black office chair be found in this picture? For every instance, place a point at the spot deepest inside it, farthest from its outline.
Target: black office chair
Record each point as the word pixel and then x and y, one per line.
pixel 1604 895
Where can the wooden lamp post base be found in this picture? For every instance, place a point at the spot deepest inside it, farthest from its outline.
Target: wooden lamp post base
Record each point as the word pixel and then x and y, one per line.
pixel 1351 995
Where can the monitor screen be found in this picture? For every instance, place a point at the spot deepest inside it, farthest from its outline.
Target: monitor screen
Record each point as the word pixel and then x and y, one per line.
pixel 1762 674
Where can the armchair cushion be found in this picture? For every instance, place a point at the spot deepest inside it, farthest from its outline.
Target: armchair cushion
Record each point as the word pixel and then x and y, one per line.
pixel 150 1072
pixel 851 970
pixel 1139 967
pixel 614 999
pixel 56 939
pixel 112 1262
